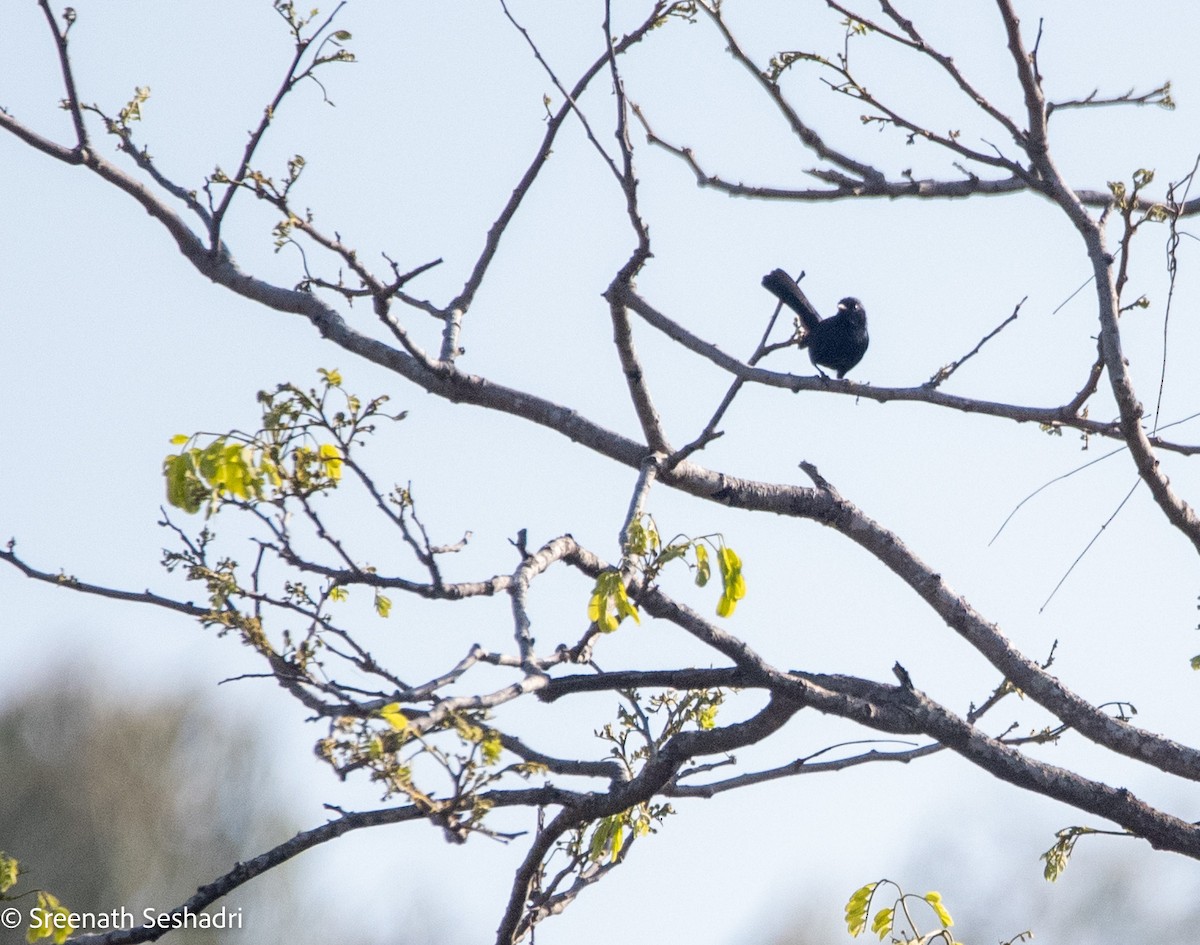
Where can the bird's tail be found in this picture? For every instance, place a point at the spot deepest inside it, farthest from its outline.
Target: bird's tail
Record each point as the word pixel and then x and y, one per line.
pixel 784 288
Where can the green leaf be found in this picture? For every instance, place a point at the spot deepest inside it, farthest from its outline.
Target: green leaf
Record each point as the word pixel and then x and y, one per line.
pixel 184 488
pixel 610 603
pixel 1057 856
pixel 233 473
pixel 857 907
pixel 271 471
pixel 383 605
pixel 331 459
pixel 598 614
pixel 935 900
pixel 600 838
pixel 731 580
pixel 618 841
pixel 637 543
pixel 50 920
pixel 491 747
pixel 882 924
pixel 9 870
pixel 625 606
pixel 609 836
pixel 391 714
pixel 703 568
pixel 671 552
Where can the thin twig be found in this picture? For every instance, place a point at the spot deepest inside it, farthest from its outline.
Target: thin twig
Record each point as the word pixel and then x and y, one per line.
pixel 1088 546
pixel 637 501
pixel 710 432
pixel 64 61
pixel 944 373
pixel 291 78
pixel 1172 271
pixel 567 96
pixel 462 302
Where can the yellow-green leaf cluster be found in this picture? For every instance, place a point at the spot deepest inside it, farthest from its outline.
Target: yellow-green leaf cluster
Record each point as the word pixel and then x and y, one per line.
pixel 608 837
pixel 881 925
pixel 287 457
pixel 732 583
pixel 610 603
pixel 391 714
pixel 1064 845
pixel 858 911
pixel 313 470
pixel 645 553
pixel 51 919
pixel 857 908
pixel 133 108
pixel 935 901
pixel 208 474
pixel 642 538
pixel 9 870
pixel 488 739
pixel 491 747
pixel 331 459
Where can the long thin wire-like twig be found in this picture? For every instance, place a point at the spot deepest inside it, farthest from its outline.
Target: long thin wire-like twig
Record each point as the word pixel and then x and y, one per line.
pixel 1172 272
pixel 1088 547
pixel 1072 472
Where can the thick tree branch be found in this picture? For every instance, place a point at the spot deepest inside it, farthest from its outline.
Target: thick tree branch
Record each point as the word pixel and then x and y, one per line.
pixel 242 873
pixel 649 782
pixel 830 509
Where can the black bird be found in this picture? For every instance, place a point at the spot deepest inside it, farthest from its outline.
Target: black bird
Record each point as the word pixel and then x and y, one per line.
pixel 837 342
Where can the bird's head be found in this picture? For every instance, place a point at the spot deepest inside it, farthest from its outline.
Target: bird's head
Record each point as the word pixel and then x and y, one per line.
pixel 854 308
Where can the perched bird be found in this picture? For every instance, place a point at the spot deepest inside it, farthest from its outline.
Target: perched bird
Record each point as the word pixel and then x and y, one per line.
pixel 837 342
